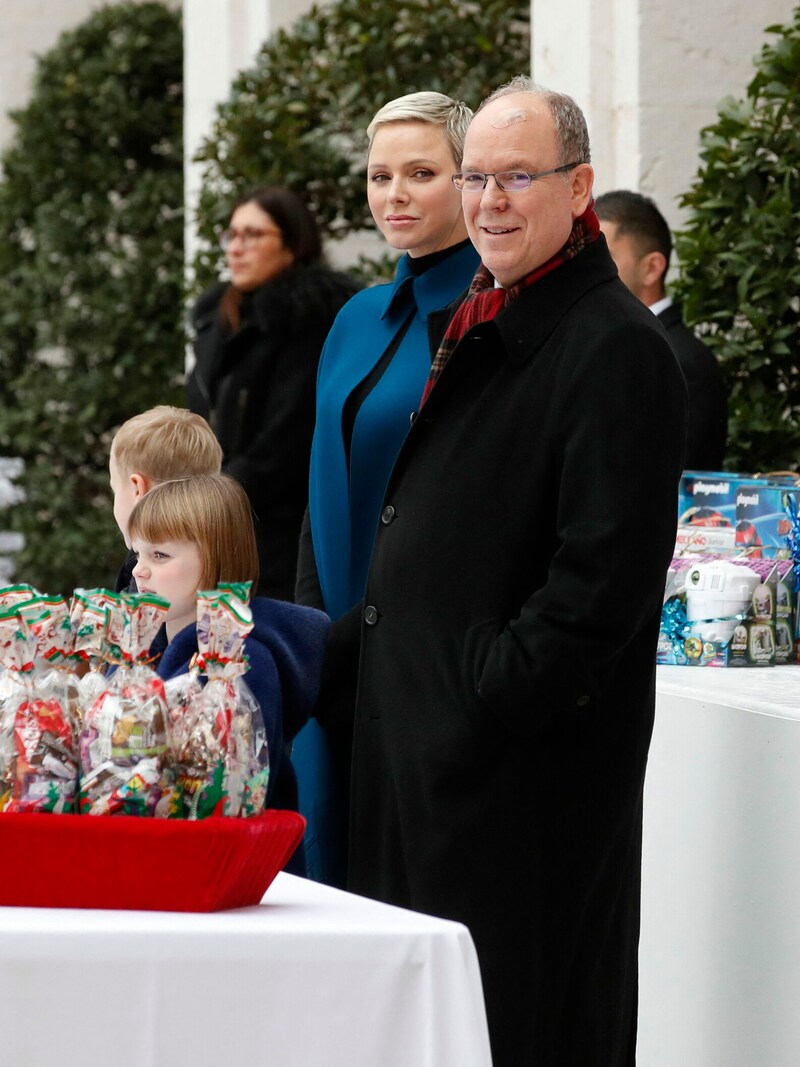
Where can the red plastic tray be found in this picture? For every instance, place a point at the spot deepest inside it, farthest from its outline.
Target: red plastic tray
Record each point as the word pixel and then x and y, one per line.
pixel 125 862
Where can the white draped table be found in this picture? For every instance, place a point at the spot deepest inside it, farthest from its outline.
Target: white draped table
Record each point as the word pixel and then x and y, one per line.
pixel 720 944
pixel 312 977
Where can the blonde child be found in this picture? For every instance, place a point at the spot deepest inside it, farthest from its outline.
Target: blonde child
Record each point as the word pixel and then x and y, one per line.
pixel 191 534
pixel 153 447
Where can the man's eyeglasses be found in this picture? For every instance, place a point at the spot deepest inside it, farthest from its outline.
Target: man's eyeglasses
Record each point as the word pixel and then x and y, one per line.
pixel 510 181
pixel 248 236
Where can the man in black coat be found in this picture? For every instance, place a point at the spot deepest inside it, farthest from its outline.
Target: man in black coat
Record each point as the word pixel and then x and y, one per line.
pixel 640 243
pixel 506 682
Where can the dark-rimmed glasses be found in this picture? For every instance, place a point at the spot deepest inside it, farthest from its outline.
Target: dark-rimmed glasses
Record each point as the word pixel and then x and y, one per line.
pixel 248 236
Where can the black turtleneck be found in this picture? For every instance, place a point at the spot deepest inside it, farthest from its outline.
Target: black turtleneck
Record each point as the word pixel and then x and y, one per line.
pixel 422 263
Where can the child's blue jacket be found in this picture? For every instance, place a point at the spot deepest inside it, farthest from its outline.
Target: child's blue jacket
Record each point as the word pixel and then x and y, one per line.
pixel 285 649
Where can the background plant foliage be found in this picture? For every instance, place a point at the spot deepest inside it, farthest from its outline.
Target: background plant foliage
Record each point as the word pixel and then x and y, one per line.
pixel 91 256
pixel 740 256
pixel 91 226
pixel 299 116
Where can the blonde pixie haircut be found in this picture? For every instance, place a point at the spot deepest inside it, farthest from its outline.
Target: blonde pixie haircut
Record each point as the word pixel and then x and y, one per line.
pixel 210 510
pixel 439 110
pixel 164 443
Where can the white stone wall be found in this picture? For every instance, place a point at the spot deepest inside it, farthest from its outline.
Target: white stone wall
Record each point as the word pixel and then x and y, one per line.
pixel 29 29
pixel 649 75
pixel 221 38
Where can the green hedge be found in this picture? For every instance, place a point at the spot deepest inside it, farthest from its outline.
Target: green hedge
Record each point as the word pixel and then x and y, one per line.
pixel 740 256
pixel 91 255
pixel 299 116
pixel 91 221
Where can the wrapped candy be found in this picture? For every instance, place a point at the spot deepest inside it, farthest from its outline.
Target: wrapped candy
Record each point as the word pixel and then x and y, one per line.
pixel 90 615
pixel 13 654
pixel 38 749
pixel 46 766
pixel 12 658
pixel 54 657
pixel 15 594
pixel 219 762
pixel 123 739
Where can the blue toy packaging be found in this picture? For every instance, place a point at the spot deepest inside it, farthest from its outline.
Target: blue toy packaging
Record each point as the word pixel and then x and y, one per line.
pixel 762 520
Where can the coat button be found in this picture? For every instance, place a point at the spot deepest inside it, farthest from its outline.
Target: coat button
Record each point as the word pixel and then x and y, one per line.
pixel 583 701
pixel 370 615
pixel 388 515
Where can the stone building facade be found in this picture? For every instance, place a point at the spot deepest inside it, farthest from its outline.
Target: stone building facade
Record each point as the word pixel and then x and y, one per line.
pixel 648 74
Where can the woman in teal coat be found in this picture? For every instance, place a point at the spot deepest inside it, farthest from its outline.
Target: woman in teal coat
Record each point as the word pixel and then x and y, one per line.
pixel 372 372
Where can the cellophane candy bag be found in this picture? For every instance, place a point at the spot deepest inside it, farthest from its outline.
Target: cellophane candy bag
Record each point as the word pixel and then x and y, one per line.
pixel 90 615
pixel 55 662
pixel 218 752
pixel 123 739
pixel 9 683
pixel 38 736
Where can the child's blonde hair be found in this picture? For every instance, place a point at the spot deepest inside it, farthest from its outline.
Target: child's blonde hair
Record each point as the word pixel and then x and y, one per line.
pixel 212 511
pixel 165 443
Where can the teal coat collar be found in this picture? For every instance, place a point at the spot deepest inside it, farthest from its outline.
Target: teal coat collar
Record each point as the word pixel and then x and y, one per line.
pixel 345 498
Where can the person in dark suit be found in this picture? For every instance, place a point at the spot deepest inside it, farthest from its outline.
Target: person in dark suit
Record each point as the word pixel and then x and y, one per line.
pixel 509 625
pixel 641 245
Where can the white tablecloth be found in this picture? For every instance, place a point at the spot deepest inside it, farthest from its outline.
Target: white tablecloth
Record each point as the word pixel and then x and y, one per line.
pixel 312 977
pixel 720 944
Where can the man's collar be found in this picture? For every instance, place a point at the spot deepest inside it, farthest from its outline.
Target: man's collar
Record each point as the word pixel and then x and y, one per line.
pixel 661 305
pixel 523 328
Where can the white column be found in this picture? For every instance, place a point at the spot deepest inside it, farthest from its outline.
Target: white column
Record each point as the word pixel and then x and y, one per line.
pixel 649 76
pixel 30 29
pixel 591 53
pixel 221 38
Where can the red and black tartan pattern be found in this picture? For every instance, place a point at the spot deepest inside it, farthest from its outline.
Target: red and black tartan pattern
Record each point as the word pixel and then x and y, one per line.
pixel 484 300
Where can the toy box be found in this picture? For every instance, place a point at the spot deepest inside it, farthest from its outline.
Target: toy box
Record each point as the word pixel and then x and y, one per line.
pixel 762 522
pixel 692 538
pixel 709 498
pixel 722 513
pixel 728 613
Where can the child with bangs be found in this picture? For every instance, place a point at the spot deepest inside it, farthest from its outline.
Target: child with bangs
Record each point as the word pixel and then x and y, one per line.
pixel 191 534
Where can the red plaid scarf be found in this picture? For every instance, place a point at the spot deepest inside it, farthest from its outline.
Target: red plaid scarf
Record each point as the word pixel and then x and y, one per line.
pixel 484 300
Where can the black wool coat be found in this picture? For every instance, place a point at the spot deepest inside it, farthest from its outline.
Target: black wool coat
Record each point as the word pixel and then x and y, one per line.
pixel 707 431
pixel 506 685
pixel 256 388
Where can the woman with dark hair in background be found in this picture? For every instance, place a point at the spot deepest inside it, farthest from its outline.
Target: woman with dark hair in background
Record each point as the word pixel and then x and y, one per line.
pixel 257 343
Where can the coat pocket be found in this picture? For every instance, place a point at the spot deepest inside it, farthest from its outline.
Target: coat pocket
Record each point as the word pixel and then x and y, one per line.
pixel 478 641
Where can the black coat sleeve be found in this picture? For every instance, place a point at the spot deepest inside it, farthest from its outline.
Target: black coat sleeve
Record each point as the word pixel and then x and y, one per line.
pixel 307 588
pixel 337 694
pixel 335 708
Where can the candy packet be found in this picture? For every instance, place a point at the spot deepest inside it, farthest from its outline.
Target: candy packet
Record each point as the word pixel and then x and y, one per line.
pixel 38 736
pixel 218 762
pixel 12 659
pixel 15 594
pixel 55 661
pixel 89 616
pixel 13 656
pixel 123 740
